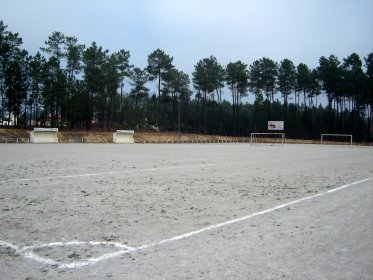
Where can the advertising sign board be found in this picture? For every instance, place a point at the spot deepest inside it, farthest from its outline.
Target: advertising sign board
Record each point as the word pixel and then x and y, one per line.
pixel 275 125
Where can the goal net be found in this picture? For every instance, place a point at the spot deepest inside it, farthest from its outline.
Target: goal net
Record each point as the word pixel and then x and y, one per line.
pixel 336 139
pixel 267 138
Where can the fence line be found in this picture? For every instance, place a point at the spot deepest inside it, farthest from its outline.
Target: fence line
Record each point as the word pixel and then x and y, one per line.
pixel 14 140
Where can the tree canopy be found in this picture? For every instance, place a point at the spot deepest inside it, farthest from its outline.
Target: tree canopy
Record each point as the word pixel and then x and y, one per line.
pixel 71 85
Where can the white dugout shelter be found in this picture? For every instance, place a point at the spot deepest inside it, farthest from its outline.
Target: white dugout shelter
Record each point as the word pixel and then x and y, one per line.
pixel 44 135
pixel 123 137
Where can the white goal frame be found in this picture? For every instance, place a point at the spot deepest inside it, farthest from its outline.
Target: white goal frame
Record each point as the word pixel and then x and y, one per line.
pixel 336 135
pixel 252 137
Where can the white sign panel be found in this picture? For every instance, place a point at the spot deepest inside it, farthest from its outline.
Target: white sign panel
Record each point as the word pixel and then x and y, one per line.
pixel 275 125
pixel 126 131
pixel 46 129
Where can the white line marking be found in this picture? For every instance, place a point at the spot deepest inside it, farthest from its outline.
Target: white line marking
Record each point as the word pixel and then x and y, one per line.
pixel 8 245
pixel 104 173
pixel 219 225
pixel 77 243
pixel 37 258
pixel 27 250
pixel 93 260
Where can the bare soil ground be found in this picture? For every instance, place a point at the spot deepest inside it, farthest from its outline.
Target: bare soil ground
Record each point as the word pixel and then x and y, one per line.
pixel 64 204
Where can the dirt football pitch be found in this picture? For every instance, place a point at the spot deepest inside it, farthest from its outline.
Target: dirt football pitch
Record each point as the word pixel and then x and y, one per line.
pixel 186 211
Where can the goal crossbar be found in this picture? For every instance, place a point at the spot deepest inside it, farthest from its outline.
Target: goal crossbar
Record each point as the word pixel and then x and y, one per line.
pixel 323 136
pixel 266 136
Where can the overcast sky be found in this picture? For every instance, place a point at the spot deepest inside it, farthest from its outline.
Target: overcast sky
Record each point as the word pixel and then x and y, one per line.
pixel 189 30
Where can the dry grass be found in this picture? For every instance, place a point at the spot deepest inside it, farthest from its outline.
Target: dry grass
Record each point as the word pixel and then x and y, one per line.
pixel 67 136
pixel 140 137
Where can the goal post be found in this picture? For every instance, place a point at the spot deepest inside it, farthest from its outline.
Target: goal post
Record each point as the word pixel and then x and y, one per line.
pixel 267 138
pixel 341 139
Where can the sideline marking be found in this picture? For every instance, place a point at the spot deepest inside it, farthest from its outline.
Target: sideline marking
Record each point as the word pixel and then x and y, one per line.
pixel 219 225
pixel 105 173
pixel 27 250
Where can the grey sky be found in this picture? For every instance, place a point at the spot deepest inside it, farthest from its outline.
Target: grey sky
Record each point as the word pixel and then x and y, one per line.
pixel 189 30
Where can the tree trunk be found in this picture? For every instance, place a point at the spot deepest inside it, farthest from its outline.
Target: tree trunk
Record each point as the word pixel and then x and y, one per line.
pixel 268 109
pixel 204 112
pixel 233 89
pixel 8 117
pixel 221 113
pixel 36 112
pixel 305 113
pixel 2 106
pixel 198 113
pixel 121 117
pixel 25 118
pixel 370 122
pixel 286 110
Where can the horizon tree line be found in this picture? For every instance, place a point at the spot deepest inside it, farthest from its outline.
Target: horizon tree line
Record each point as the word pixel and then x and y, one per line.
pixel 70 85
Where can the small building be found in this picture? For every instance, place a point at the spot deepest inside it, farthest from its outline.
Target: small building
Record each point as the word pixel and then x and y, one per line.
pixel 44 135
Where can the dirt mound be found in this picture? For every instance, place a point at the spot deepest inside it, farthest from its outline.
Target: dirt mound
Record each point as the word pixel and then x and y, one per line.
pixel 67 136
pixel 184 138
pixel 14 133
pixel 85 136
